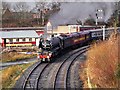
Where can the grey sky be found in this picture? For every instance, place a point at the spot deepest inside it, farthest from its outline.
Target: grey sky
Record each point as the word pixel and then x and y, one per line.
pixel 62 0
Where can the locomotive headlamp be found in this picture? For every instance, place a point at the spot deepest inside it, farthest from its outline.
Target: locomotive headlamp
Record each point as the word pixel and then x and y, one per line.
pixel 38 56
pixel 50 54
pixel 48 57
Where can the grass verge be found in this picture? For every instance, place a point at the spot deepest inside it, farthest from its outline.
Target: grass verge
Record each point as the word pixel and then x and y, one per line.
pixel 14 56
pixel 11 74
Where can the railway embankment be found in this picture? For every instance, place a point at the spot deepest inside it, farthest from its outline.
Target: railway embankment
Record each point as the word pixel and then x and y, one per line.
pixel 10 75
pixel 102 67
pixel 11 57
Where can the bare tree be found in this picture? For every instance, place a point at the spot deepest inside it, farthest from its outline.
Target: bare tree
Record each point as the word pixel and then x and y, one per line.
pixel 40 5
pixel 89 21
pixel 21 15
pixel 21 7
pixel 43 7
pixel 39 8
pixel 6 5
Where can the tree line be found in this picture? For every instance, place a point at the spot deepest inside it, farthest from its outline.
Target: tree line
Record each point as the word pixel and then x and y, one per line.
pixel 25 14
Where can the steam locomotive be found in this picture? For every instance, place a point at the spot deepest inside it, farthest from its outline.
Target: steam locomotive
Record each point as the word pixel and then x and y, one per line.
pixel 52 47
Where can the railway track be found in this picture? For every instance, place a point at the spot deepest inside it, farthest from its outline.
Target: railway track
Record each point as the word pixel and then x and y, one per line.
pixel 73 76
pixel 31 80
pixel 30 76
pixel 52 75
pixel 61 80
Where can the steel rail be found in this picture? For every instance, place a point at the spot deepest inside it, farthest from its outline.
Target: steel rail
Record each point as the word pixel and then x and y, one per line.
pixel 32 71
pixel 67 64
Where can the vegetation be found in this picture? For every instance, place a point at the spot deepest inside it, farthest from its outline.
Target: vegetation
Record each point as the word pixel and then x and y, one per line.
pixel 11 74
pixel 89 21
pixel 15 55
pixel 102 69
pixel 22 16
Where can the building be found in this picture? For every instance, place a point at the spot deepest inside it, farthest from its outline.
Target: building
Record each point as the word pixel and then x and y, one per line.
pixel 72 28
pixel 29 36
pixel 19 38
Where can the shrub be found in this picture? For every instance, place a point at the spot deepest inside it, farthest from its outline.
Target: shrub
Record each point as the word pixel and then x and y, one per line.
pixel 102 64
pixel 14 56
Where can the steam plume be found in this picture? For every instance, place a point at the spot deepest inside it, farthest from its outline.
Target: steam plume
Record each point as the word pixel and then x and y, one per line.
pixel 72 11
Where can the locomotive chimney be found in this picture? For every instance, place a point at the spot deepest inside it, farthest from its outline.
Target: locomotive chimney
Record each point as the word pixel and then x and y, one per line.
pixel 49 28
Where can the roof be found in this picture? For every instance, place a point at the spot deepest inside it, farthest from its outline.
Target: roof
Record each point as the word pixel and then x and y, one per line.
pixel 18 34
pixel 22 28
pixel 4 10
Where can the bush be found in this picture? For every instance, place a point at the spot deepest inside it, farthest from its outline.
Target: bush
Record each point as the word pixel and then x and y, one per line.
pixel 102 64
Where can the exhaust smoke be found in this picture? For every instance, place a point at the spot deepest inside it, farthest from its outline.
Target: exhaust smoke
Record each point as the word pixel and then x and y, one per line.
pixel 70 12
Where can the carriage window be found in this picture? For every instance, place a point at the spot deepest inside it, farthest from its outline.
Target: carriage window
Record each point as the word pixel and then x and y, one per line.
pixel 30 39
pixel 33 39
pixel 95 34
pixel 20 40
pixel 17 40
pixel 11 40
pixel 14 40
pixel 7 40
pixel 23 39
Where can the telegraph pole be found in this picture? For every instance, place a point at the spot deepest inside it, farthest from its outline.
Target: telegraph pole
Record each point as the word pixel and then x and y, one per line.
pixel 104 32
pixel 41 17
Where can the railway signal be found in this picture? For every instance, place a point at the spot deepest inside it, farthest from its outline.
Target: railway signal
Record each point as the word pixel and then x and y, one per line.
pixel 97 17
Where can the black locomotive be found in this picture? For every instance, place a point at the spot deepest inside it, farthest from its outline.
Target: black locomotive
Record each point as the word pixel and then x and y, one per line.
pixel 51 48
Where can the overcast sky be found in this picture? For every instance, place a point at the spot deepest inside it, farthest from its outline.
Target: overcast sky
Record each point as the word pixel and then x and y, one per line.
pixel 61 0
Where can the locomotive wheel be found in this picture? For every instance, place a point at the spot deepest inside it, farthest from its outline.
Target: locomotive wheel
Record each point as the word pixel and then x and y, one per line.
pixel 51 60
